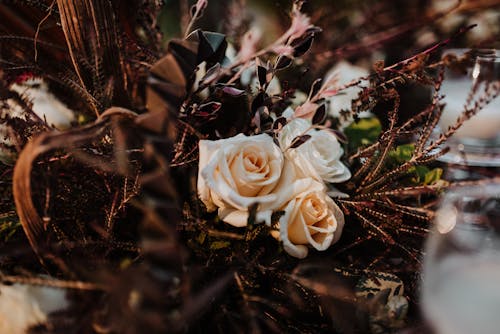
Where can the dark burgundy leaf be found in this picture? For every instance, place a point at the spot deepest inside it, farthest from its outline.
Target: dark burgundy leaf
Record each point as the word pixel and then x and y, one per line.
pixel 266 121
pixel 234 116
pixel 258 101
pixel 252 214
pixel 275 217
pixel 210 107
pixel 303 46
pixel 266 127
pixel 262 120
pixel 297 141
pixel 283 62
pixel 279 123
pixel 315 87
pixel 205 50
pixel 262 74
pixel 233 91
pixel 319 115
pixel 264 112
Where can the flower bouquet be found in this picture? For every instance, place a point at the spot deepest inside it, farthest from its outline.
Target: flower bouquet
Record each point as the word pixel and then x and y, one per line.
pixel 213 184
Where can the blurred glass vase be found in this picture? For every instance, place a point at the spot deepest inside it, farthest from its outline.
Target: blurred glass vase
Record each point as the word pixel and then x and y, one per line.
pixel 477 141
pixel 461 276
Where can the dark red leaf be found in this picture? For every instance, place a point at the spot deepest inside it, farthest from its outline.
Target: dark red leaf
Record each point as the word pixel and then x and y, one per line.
pixel 262 74
pixel 233 91
pixel 319 115
pixel 210 107
pixel 303 46
pixel 259 101
pixel 282 62
pixel 279 123
pixel 297 141
pixel 315 87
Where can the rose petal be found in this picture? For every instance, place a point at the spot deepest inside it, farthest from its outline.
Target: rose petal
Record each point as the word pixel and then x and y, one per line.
pixel 239 218
pixel 319 157
pixel 206 149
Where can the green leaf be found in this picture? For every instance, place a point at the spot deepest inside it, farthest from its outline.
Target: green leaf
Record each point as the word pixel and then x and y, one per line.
pixel 421 171
pixel 363 132
pixel 433 176
pixel 402 153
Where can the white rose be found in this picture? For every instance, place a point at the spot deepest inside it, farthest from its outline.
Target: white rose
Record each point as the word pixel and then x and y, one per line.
pixel 237 172
pixel 311 218
pixel 319 157
pixel 23 306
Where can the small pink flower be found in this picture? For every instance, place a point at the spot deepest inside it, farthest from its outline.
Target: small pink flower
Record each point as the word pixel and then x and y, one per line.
pixel 300 23
pixel 284 50
pixel 249 44
pixel 306 110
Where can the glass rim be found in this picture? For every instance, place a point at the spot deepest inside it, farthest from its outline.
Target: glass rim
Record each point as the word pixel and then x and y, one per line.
pixel 490 54
pixel 449 214
pixel 476 190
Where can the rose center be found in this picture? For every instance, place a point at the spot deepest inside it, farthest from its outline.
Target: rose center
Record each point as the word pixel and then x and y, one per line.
pixel 313 208
pixel 253 162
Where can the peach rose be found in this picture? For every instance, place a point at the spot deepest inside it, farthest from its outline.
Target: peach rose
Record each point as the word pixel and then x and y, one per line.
pixel 236 172
pixel 311 219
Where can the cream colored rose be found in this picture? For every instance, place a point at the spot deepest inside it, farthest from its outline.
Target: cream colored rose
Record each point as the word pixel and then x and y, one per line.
pixel 23 306
pixel 311 219
pixel 237 172
pixel 319 157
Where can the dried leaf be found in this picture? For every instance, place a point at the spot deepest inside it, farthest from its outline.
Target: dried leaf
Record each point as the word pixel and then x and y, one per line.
pixel 33 224
pixel 87 43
